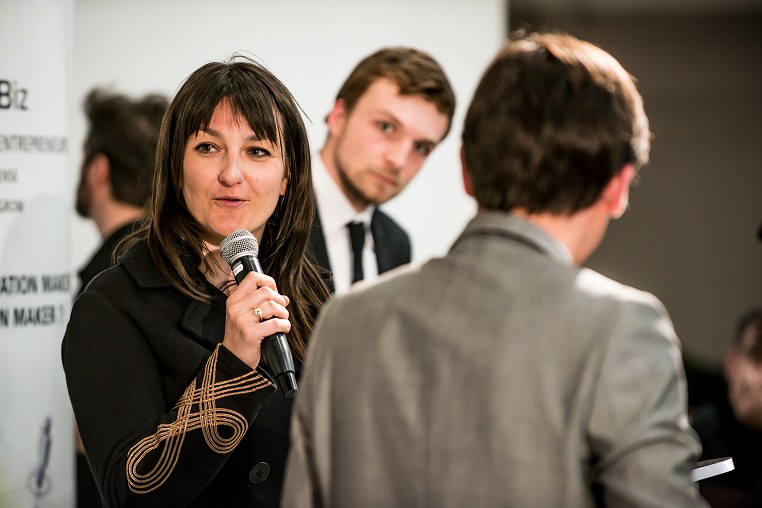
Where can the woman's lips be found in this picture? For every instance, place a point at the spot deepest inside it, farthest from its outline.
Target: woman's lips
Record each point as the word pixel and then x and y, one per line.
pixel 230 201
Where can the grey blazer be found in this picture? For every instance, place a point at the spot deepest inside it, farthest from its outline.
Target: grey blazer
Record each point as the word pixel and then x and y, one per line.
pixel 499 375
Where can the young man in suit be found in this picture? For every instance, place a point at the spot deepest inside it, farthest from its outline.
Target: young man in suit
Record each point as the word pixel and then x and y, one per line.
pixel 389 114
pixel 505 374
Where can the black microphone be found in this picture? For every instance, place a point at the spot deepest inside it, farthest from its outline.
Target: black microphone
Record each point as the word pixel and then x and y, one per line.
pixel 240 251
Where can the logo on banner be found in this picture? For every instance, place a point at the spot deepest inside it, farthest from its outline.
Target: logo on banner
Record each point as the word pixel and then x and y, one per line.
pixel 12 96
pixel 38 481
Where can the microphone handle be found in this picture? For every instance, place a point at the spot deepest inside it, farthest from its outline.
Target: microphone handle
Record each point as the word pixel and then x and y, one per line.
pixel 275 347
pixel 278 355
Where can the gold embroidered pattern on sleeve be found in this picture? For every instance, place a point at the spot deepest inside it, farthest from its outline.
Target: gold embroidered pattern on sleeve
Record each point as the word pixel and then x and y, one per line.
pixel 209 419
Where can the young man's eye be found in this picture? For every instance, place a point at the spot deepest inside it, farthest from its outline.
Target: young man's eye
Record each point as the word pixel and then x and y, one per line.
pixel 423 148
pixel 385 127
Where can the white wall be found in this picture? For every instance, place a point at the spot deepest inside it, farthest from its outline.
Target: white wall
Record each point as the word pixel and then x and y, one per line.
pixel 144 46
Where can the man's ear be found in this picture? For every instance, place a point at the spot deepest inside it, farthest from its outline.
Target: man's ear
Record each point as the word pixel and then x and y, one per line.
pixel 99 171
pixel 467 182
pixel 616 195
pixel 336 118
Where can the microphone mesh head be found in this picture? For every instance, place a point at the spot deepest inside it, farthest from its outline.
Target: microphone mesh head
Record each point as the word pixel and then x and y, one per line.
pixel 238 243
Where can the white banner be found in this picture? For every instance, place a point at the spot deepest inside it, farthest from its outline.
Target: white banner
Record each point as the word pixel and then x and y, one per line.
pixel 36 436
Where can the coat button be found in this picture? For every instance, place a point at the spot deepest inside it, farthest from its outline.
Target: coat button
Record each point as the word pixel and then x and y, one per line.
pixel 259 473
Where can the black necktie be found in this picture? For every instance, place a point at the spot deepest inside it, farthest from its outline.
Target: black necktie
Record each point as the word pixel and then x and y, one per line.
pixel 357 239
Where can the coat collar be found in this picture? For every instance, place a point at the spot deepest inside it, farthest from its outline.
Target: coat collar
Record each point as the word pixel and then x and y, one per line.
pixel 385 257
pixel 496 223
pixel 204 321
pixel 138 264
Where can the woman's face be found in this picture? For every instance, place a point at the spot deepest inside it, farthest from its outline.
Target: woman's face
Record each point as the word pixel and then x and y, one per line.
pixel 231 178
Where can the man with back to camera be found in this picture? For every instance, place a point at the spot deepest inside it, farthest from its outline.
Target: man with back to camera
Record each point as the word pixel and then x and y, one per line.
pixel 115 183
pixel 504 374
pixel 389 114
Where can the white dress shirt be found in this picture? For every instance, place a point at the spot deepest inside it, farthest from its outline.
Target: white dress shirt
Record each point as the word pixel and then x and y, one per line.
pixel 335 213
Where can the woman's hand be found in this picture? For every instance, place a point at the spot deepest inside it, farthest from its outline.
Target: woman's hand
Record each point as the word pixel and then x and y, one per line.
pixel 244 331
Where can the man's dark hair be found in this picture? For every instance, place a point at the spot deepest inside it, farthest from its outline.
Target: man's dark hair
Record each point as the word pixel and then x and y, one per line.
pixel 125 130
pixel 552 121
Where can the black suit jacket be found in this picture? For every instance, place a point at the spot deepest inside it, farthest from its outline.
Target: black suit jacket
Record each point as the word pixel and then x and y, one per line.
pixel 146 376
pixel 101 260
pixel 391 242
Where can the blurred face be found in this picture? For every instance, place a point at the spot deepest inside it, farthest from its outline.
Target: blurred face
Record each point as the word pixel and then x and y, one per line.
pixel 231 178
pixel 82 203
pixel 382 143
pixel 84 193
pixel 745 379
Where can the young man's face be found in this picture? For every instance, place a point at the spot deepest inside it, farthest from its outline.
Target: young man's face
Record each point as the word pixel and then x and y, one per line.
pixel 383 142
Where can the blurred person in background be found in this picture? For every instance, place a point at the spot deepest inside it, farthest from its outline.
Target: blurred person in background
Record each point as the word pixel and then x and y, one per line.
pixel 114 185
pixel 732 427
pixel 117 168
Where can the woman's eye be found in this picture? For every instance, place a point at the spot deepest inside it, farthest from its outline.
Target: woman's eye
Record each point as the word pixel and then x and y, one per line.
pixel 204 148
pixel 259 152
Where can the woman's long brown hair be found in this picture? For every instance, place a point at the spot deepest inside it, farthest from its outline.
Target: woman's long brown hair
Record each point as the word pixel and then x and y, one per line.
pixel 175 238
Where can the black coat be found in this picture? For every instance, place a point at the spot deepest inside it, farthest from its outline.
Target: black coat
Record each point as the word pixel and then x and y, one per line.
pixel 87 491
pixel 139 356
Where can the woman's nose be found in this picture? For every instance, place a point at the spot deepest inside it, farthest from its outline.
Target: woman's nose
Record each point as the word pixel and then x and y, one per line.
pixel 231 173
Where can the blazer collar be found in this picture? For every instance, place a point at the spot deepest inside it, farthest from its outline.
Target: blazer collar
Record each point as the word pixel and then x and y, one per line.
pixel 385 259
pixel 495 223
